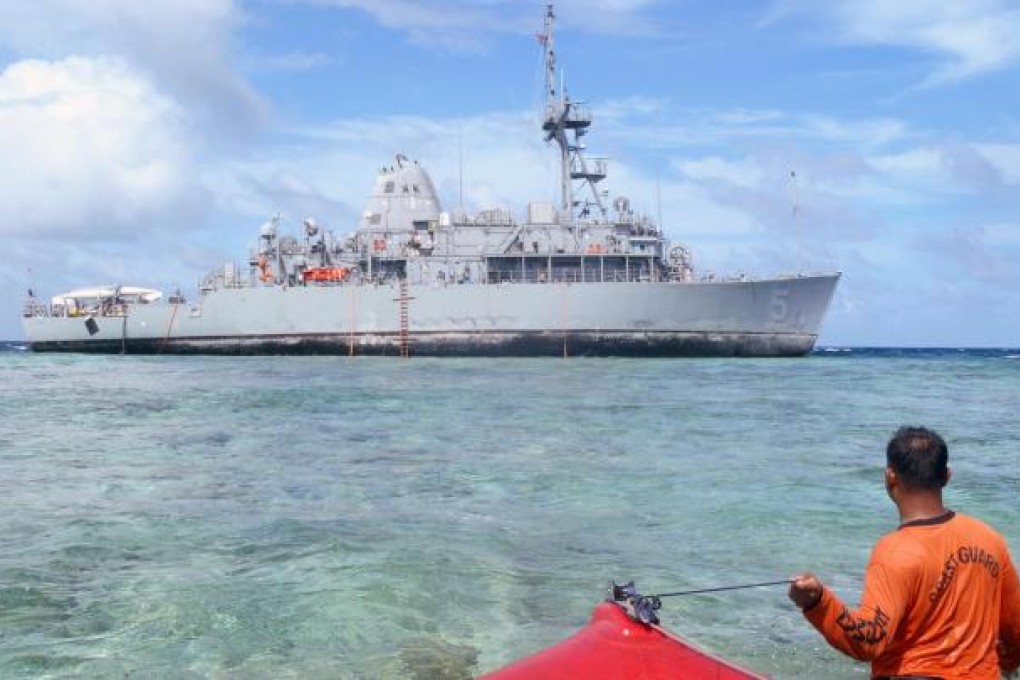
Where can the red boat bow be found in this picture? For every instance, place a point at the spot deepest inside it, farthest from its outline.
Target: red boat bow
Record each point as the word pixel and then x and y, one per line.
pixel 614 645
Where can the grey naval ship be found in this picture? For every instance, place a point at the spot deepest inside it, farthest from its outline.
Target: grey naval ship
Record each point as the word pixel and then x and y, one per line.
pixel 584 276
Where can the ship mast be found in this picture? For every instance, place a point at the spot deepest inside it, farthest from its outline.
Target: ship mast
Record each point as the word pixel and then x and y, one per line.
pixel 566 122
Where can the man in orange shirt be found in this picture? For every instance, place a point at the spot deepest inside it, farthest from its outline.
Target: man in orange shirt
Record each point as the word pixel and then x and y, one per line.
pixel 941 597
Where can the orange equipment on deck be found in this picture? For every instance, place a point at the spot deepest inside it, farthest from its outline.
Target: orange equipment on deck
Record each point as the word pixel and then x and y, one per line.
pixel 326 274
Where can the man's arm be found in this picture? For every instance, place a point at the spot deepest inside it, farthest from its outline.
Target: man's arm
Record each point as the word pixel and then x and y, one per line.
pixel 862 633
pixel 1009 619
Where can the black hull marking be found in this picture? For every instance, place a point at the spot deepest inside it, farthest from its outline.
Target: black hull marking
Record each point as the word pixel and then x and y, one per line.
pixel 493 344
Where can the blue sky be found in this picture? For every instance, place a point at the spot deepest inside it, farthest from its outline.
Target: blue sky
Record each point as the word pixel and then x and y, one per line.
pixel 145 142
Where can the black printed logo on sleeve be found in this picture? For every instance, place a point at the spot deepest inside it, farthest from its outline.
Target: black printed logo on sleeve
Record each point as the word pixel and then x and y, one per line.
pixel 862 630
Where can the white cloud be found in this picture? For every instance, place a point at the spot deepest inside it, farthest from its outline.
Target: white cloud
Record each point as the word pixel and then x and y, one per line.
pixel 922 167
pixel 933 172
pixel 867 132
pixel 1003 235
pixel 465 24
pixel 1005 158
pixel 656 123
pixel 969 38
pixel 744 172
pixel 979 256
pixel 90 149
pixel 184 45
pixel 292 62
pixel 974 37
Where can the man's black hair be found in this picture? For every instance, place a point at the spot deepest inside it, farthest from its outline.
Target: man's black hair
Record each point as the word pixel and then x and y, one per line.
pixel 919 456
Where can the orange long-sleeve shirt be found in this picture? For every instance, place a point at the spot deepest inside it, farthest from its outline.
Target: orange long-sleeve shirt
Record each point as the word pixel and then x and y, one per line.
pixel 939 596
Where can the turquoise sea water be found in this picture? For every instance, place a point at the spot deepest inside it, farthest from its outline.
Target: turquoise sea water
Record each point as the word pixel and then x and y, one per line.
pixel 209 517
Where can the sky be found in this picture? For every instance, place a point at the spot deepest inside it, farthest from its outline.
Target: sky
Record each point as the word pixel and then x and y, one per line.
pixel 144 143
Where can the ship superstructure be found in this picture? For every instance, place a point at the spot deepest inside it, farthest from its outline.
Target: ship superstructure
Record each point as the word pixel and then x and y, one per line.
pixel 577 277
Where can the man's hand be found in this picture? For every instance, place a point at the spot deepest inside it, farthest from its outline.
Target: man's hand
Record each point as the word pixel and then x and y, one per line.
pixel 806 590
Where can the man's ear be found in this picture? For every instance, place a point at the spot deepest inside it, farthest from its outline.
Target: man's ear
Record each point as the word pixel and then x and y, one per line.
pixel 892 480
pixel 949 475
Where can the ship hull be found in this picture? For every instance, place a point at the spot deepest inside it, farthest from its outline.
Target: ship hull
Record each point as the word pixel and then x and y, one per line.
pixel 773 317
pixel 537 344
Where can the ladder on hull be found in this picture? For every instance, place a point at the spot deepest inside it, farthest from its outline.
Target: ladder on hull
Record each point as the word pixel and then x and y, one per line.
pixel 405 326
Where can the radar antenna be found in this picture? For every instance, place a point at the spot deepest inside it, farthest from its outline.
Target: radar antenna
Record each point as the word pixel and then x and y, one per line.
pixel 797 220
pixel 566 122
